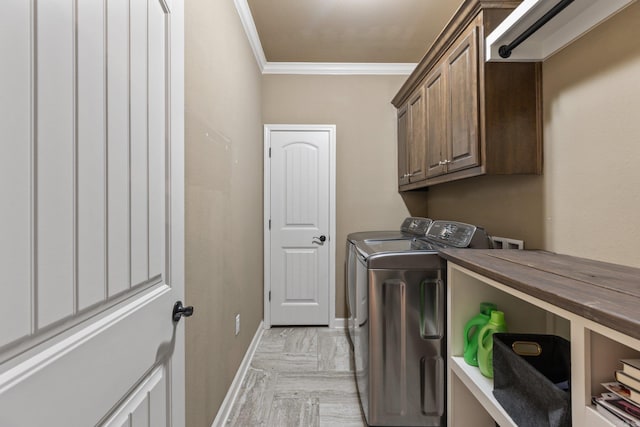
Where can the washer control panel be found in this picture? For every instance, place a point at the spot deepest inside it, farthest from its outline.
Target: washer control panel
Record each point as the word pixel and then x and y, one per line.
pixel 416 225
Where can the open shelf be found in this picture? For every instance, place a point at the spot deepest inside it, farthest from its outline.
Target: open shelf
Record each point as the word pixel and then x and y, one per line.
pixel 570 24
pixel 590 303
pixel 593 419
pixel 482 388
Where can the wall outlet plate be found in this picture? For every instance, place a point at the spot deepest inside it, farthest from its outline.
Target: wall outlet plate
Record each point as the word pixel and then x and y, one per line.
pixel 237 323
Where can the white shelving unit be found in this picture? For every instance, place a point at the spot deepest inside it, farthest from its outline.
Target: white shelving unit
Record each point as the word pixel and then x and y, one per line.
pixel 595 350
pixel 482 388
pixel 575 20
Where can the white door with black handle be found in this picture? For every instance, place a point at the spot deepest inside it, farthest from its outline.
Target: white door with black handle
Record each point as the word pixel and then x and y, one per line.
pixel 299 239
pixel 91 220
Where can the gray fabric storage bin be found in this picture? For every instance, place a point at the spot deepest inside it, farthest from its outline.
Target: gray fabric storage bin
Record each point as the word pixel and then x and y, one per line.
pixel 526 385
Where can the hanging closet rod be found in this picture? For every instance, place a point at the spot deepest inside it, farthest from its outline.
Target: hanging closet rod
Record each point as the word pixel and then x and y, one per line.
pixel 505 50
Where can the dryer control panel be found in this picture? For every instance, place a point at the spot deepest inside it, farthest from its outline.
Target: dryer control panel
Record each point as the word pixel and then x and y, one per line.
pixel 451 233
pixel 416 225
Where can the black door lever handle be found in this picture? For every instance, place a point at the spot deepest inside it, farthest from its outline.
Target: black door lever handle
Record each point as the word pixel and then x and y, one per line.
pixel 179 310
pixel 322 239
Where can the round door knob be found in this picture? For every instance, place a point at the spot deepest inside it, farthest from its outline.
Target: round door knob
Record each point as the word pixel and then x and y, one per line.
pixel 179 310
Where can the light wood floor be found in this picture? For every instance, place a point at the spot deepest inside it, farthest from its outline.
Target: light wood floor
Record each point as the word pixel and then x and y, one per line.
pixel 299 377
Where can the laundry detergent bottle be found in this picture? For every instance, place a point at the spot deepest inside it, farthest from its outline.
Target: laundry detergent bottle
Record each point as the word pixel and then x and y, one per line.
pixel 471 330
pixel 485 342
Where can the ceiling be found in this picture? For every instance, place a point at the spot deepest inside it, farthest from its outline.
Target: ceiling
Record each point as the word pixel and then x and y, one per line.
pixel 349 31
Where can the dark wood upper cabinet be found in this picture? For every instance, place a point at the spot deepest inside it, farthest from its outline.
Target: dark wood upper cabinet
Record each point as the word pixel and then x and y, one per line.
pixel 411 140
pixel 417 143
pixel 472 117
pixel 436 123
pixel 463 120
pixel 403 167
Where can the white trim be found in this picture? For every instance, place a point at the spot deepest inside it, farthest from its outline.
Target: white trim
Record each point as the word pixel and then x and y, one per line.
pixel 340 323
pixel 332 214
pixel 338 68
pixel 252 33
pixel 333 197
pixel 232 394
pixel 572 23
pixel 316 68
pixel 266 238
pixel 175 265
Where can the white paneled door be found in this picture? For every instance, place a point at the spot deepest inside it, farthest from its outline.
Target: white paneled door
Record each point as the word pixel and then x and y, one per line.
pixel 91 213
pixel 298 245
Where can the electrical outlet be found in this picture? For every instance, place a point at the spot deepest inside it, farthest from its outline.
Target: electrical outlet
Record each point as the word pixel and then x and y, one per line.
pixel 237 323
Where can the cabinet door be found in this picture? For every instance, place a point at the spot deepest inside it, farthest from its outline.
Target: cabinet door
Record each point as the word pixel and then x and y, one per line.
pixel 403 169
pixel 462 79
pixel 417 142
pixel 435 122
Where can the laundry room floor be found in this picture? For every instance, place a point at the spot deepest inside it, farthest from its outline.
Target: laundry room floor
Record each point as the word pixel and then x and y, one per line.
pixel 299 377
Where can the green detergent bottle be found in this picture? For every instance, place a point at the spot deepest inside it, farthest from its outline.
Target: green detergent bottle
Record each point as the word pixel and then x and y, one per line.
pixel 471 330
pixel 485 342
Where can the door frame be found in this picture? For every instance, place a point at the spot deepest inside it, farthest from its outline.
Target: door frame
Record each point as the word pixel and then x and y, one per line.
pixel 268 128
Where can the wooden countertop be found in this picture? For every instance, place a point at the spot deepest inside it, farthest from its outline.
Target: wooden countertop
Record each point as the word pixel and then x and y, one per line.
pixel 606 293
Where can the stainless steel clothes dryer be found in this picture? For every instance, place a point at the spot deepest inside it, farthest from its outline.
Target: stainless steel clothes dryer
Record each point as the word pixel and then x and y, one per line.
pixel 400 343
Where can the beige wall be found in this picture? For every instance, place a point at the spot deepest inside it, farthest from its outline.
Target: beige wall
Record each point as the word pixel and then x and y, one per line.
pixel 359 106
pixel 223 202
pixel 592 133
pixel 592 172
pixel 591 154
pixel 506 206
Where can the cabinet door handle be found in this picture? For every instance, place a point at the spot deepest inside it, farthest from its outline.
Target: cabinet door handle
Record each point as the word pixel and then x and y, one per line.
pixel 444 162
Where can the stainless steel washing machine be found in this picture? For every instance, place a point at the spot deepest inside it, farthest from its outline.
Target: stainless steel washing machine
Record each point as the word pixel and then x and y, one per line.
pixel 399 343
pixel 356 287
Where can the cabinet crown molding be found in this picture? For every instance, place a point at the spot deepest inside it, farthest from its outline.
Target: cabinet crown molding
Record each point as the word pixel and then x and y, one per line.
pixel 466 13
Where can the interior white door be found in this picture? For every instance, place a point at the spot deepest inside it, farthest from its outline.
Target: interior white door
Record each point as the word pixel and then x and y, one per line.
pixel 91 219
pixel 300 226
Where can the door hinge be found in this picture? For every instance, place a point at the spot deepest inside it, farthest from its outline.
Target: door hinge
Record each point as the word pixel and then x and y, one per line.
pixel 269 224
pixel 269 295
pixel 269 151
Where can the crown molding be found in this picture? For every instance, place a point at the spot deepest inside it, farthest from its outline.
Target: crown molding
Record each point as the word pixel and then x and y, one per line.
pixel 252 33
pixel 338 68
pixel 319 68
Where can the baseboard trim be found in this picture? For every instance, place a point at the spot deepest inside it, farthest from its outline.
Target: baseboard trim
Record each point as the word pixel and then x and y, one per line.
pixel 234 389
pixel 340 322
